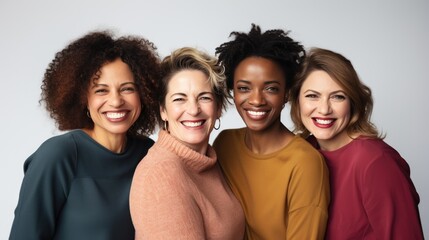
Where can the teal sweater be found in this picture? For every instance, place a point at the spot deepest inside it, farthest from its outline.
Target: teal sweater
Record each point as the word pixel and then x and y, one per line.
pixel 74 188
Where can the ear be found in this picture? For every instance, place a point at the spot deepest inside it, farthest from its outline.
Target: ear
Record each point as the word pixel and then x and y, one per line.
pixel 163 113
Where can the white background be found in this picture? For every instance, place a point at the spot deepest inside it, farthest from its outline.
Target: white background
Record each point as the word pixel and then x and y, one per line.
pixel 386 40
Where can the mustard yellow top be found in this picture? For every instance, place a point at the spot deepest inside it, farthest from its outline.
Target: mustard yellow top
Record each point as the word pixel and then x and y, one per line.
pixel 284 195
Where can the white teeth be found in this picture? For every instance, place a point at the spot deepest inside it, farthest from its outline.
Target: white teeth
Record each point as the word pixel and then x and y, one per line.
pixel 256 113
pixel 324 121
pixel 192 124
pixel 115 115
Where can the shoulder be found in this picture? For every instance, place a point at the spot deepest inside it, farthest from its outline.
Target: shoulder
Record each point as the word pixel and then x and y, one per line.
pixel 230 133
pixel 380 156
pixel 228 136
pixel 374 149
pixel 159 162
pixel 63 141
pixel 55 148
pixel 57 156
pixel 302 149
pixel 305 158
pixel 158 174
pixel 373 144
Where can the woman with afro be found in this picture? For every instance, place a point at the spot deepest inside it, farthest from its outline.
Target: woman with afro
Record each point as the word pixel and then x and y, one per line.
pixel 99 89
pixel 280 180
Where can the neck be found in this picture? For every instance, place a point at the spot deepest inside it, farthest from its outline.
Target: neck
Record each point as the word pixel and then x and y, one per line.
pixel 267 140
pixel 336 142
pixel 114 142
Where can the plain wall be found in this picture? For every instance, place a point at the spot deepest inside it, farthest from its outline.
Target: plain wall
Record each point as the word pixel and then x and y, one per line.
pixel 387 41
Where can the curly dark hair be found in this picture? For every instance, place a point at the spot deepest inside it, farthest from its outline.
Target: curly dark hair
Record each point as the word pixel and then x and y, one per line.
pixel 68 76
pixel 274 45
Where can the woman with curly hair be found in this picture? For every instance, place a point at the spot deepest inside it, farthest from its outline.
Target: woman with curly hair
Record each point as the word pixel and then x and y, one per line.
pixel 280 180
pixel 76 185
pixel 178 190
pixel 373 196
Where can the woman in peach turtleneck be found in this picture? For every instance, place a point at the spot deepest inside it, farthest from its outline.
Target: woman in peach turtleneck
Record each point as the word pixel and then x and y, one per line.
pixel 178 190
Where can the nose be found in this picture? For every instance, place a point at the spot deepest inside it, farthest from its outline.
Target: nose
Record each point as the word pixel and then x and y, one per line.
pixel 324 106
pixel 256 98
pixel 116 99
pixel 193 108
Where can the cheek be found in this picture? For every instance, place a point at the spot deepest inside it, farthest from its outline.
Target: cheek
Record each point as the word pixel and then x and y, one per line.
pixel 304 108
pixel 132 99
pixel 343 109
pixel 93 103
pixel 172 112
pixel 210 109
pixel 278 101
pixel 236 101
pixel 238 97
pixel 135 100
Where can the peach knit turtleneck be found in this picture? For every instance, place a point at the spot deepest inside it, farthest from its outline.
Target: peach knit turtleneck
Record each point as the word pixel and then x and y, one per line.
pixel 178 193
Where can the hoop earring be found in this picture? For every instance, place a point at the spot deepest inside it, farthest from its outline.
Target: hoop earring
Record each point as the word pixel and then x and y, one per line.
pixel 166 126
pixel 88 114
pixel 217 128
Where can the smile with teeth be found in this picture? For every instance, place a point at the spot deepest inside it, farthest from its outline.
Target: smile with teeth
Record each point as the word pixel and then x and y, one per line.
pixel 256 113
pixel 115 115
pixel 192 124
pixel 323 121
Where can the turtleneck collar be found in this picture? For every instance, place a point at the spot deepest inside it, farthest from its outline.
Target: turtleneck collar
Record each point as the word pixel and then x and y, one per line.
pixel 191 158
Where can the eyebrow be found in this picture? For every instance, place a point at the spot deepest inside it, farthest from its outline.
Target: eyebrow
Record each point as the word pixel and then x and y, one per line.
pixel 265 83
pixel 310 90
pixel 334 92
pixel 183 94
pixel 105 85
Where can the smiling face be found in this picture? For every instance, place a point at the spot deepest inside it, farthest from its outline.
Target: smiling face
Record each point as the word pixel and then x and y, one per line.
pixel 259 92
pixel 113 100
pixel 190 109
pixel 325 110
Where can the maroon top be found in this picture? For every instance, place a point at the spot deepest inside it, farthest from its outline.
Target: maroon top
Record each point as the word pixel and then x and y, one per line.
pixel 372 195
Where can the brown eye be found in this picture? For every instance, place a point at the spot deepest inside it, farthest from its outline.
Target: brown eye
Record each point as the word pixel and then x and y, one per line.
pixel 338 97
pixel 272 89
pixel 311 96
pixel 100 91
pixel 205 99
pixel 242 89
pixel 128 89
pixel 178 100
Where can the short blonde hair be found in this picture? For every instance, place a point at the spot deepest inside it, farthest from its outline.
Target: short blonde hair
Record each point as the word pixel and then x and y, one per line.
pixel 188 58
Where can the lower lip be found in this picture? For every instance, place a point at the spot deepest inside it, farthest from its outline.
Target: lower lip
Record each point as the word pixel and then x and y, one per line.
pixel 323 125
